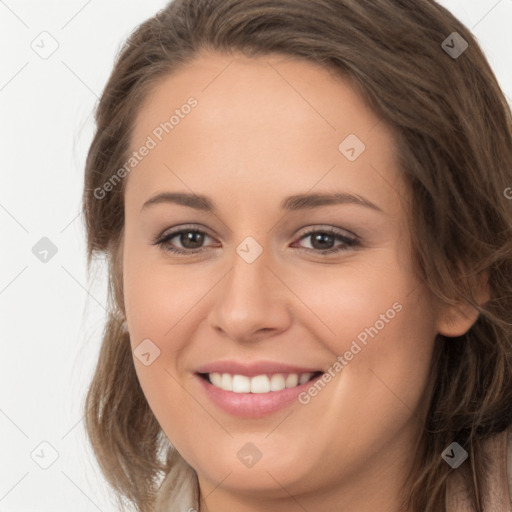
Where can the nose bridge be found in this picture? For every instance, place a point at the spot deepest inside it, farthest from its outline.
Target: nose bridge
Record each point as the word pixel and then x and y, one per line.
pixel 248 299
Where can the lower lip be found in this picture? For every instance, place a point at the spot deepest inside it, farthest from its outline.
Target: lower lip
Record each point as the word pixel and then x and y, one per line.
pixel 253 405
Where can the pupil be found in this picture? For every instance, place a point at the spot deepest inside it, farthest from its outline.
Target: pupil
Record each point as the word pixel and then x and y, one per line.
pixel 194 237
pixel 323 238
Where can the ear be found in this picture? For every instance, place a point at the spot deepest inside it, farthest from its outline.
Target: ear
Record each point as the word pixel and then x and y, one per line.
pixel 456 319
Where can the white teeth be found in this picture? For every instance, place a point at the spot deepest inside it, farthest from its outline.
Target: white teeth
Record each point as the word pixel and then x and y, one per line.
pixel 227 382
pixel 277 382
pixel 216 379
pixel 292 380
pixel 305 377
pixel 241 384
pixel 259 383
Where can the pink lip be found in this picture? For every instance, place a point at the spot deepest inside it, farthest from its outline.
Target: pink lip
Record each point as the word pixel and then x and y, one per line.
pixel 252 405
pixel 253 369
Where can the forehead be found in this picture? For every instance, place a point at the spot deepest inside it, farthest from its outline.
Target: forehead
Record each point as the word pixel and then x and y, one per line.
pixel 270 120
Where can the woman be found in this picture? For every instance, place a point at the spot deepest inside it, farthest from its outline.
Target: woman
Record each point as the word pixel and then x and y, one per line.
pixel 304 205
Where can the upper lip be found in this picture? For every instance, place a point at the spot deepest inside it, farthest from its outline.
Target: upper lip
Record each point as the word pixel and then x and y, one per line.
pixel 251 369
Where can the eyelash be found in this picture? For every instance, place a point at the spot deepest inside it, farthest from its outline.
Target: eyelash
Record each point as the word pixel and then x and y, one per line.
pixel 348 242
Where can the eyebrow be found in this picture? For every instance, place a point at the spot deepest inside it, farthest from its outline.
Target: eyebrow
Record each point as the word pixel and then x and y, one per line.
pixel 292 203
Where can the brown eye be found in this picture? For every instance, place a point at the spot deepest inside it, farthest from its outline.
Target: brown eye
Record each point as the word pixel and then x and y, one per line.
pixel 186 241
pixel 323 241
pixel 191 239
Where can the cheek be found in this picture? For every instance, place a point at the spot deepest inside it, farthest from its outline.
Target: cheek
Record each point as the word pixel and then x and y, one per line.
pixel 377 323
pixel 384 332
pixel 162 304
pixel 356 300
pixel 381 389
pixel 157 300
pixel 158 296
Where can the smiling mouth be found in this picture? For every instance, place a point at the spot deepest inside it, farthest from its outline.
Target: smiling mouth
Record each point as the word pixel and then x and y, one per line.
pixel 265 383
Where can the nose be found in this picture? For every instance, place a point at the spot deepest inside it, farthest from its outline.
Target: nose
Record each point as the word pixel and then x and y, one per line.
pixel 251 302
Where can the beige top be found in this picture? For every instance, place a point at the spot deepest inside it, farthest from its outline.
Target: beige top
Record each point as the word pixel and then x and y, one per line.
pixel 499 498
pixel 179 489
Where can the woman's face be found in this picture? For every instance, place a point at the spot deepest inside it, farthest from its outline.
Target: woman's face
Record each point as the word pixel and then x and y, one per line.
pixel 256 287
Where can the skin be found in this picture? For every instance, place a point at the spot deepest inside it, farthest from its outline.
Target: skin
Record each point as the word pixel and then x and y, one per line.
pixel 266 128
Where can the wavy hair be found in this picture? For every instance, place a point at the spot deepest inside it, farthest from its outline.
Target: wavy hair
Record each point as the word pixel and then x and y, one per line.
pixel 453 134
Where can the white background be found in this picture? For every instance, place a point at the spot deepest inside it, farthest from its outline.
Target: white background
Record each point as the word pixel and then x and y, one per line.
pixel 51 317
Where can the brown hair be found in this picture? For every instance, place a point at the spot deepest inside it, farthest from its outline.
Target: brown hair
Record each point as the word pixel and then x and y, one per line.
pixel 453 134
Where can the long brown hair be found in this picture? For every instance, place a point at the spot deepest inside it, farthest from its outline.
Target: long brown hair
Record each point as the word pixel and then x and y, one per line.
pixel 453 133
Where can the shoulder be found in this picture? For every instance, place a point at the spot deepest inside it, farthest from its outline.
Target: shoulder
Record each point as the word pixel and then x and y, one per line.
pixel 499 478
pixel 178 491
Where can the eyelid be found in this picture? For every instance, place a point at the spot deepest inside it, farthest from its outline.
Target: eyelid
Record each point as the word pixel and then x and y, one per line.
pixel 185 227
pixel 172 232
pixel 328 229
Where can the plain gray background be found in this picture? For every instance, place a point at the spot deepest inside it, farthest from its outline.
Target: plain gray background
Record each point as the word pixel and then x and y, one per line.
pixel 51 317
